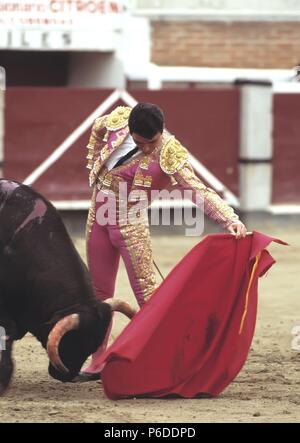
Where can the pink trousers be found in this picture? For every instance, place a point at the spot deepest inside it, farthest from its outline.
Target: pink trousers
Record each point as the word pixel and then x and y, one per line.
pixel 105 245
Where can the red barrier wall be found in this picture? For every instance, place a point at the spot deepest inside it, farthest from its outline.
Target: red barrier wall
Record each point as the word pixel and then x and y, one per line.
pixel 286 177
pixel 37 120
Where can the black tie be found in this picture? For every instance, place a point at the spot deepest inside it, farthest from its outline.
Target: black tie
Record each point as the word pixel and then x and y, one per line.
pixel 126 157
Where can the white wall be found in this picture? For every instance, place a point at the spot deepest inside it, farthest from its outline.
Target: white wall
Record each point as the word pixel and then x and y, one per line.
pixel 107 70
pixel 256 145
pixel 219 10
pixel 134 45
pixel 239 5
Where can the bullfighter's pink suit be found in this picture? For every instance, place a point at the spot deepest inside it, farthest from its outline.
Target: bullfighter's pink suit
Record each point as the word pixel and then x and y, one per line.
pixel 167 165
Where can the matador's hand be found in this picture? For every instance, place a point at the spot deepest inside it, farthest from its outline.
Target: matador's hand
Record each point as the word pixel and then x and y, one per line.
pixel 238 229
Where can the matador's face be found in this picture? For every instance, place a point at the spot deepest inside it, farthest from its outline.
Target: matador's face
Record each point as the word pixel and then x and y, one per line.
pixel 147 145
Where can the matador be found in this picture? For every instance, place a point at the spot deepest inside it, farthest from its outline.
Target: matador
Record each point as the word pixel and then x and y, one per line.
pixel 132 147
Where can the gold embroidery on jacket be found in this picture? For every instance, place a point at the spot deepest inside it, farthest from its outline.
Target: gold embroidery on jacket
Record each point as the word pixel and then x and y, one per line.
pixel 138 179
pixel 172 156
pixel 94 172
pixel 141 180
pixel 104 153
pixel 214 205
pixel 91 215
pixel 95 141
pixel 121 135
pixel 118 118
pixel 145 162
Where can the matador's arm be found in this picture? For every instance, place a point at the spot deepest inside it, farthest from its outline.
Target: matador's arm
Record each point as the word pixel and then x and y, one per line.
pixel 174 162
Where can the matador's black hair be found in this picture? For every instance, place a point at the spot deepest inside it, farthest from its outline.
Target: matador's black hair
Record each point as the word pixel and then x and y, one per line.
pixel 146 120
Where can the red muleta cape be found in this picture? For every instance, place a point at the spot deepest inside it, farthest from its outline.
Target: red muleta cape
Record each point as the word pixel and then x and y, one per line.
pixel 193 336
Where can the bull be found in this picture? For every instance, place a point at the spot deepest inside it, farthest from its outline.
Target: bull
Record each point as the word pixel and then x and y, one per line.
pixel 45 287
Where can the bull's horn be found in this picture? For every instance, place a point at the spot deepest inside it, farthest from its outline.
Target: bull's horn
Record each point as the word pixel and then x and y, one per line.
pixel 121 306
pixel 63 326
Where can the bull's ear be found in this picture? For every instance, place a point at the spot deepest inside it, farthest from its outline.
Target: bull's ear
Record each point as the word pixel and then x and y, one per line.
pixel 94 323
pixel 99 314
pixel 104 312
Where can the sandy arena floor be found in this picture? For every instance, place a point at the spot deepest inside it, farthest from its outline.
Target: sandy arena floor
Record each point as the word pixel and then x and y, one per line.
pixel 266 390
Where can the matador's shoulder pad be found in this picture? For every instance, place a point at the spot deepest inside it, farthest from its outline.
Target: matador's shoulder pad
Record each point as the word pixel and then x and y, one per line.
pixel 118 118
pixel 172 156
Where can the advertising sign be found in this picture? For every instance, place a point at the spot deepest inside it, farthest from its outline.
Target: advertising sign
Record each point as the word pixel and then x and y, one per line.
pixel 59 24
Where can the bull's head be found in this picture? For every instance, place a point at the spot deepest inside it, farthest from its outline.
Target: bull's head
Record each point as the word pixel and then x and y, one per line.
pixel 76 336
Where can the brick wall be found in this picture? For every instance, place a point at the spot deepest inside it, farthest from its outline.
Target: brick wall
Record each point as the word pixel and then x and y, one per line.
pixel 237 45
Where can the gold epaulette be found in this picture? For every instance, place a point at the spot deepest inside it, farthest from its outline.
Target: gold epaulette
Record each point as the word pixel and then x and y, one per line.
pixel 172 156
pixel 118 118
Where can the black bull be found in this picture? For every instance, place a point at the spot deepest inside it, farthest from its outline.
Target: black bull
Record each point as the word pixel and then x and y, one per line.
pixel 45 288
